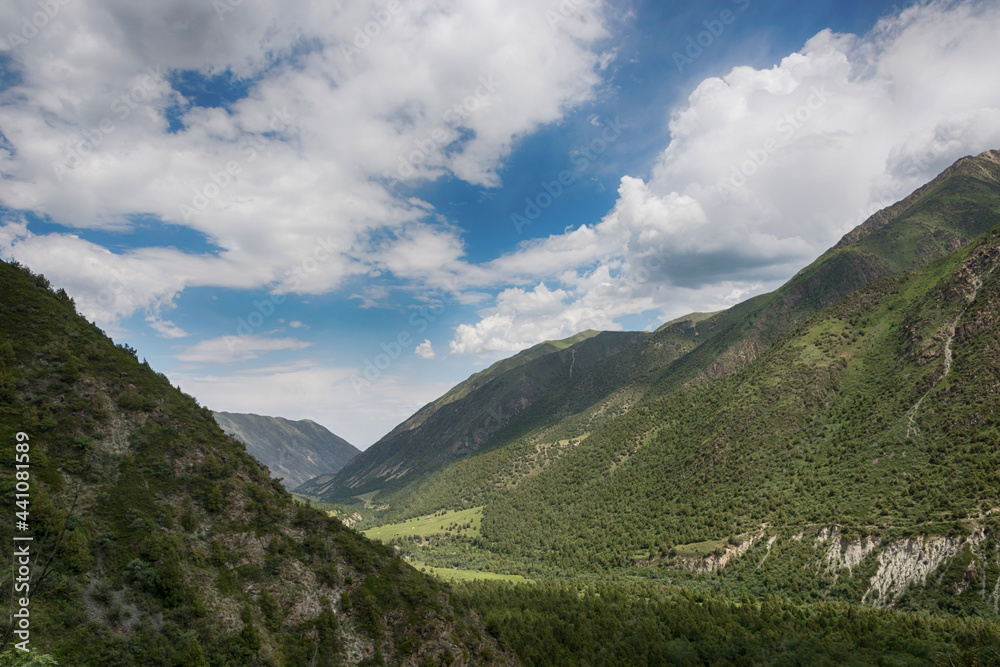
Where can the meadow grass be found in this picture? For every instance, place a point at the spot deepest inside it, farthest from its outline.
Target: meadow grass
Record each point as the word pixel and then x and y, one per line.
pixel 431 524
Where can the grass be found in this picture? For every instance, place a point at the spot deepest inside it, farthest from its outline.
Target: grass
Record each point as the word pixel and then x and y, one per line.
pixel 450 574
pixel 699 549
pixel 432 524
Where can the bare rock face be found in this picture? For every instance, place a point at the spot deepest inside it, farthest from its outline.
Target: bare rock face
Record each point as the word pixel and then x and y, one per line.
pixel 843 553
pixel 717 561
pixel 908 562
pixel 914 561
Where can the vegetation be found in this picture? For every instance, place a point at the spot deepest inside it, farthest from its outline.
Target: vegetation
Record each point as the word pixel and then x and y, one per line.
pixel 817 432
pixel 808 477
pixel 452 574
pixel 561 392
pixel 637 623
pixel 463 522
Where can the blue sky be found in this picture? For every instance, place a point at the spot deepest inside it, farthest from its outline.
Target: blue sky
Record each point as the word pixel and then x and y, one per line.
pixel 291 217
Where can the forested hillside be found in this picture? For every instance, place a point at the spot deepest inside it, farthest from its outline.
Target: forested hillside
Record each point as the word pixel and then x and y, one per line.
pixel 158 540
pixel 879 415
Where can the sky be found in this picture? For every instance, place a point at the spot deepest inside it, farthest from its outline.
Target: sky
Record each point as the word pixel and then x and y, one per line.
pixel 336 211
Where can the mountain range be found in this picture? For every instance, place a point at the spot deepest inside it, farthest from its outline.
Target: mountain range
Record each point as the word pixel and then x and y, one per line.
pixel 564 389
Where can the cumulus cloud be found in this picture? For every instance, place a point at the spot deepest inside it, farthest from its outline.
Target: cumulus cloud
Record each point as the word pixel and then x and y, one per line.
pixel 764 170
pixel 291 182
pixel 522 318
pixel 108 286
pixel 425 350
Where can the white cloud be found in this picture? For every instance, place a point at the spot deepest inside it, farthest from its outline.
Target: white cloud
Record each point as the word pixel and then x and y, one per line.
pixel 166 328
pixel 230 349
pixel 764 170
pixel 290 183
pixel 425 350
pixel 522 318
pixel 108 286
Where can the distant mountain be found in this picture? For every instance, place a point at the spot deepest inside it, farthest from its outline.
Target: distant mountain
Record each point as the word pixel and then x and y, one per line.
pixel 155 539
pixel 295 451
pixel 558 393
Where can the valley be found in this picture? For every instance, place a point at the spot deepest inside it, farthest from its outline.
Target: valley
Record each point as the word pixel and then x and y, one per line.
pixel 812 473
pixel 833 442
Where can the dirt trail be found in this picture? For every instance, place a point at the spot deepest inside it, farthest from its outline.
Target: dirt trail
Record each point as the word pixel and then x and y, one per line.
pixel 977 284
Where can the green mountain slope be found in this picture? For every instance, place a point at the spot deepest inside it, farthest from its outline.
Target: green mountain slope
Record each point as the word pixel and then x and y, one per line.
pixel 868 440
pixel 507 423
pixel 157 540
pixel 294 451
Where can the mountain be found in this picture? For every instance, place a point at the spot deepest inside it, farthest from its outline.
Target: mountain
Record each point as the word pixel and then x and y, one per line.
pixel 294 451
pixel 943 215
pixel 156 538
pixel 835 439
pixel 862 447
pixel 530 410
pixel 853 460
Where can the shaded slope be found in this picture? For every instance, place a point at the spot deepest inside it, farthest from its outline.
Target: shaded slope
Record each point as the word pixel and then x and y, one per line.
pixel 159 540
pixel 294 451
